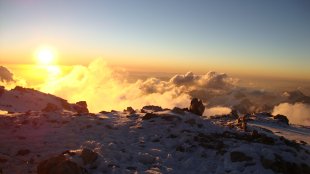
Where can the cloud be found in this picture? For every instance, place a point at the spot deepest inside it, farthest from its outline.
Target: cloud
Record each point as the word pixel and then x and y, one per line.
pixel 298 113
pixel 5 75
pixel 8 80
pixel 219 110
pixel 211 80
pixel 106 89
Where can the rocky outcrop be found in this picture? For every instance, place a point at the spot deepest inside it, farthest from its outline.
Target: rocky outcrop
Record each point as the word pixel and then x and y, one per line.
pixel 88 156
pixel 62 164
pixel 130 110
pixel 197 107
pixel 280 165
pixel 81 107
pixel 282 119
pixel 151 108
pixel 59 165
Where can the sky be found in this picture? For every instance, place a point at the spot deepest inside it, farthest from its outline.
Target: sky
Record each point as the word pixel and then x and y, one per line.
pixel 259 38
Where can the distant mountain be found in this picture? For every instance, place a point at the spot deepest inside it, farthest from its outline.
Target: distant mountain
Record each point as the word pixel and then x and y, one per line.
pixel 296 96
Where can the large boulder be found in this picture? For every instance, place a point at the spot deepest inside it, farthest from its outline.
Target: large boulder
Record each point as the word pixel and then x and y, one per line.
pixel 59 165
pixel 282 119
pixel 81 107
pixel 130 110
pixel 151 108
pixel 197 107
pixel 88 156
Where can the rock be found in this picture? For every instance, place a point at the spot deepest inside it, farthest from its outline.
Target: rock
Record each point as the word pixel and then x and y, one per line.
pixel 81 107
pixel 279 165
pixel 82 103
pixel 178 111
pixel 234 113
pixel 1 90
pixel 239 157
pixel 149 116
pixel 197 107
pixel 281 118
pixel 88 156
pixel 104 112
pixel 255 134
pixel 50 107
pixel 59 165
pixel 152 108
pixel 146 158
pixel 23 152
pixel 130 110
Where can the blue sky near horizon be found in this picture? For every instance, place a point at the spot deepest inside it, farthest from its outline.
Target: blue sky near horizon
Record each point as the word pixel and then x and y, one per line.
pixel 267 35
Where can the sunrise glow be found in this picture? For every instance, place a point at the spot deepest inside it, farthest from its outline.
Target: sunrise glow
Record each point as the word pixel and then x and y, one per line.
pixel 45 56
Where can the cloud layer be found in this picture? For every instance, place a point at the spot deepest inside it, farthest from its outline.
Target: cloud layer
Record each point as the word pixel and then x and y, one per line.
pixel 105 88
pixel 298 113
pixel 8 80
pixel 5 75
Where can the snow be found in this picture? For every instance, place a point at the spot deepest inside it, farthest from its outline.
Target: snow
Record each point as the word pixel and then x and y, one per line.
pixel 126 143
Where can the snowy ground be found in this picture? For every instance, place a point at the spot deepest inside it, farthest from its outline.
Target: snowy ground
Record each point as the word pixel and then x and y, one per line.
pixel 162 141
pixel 127 143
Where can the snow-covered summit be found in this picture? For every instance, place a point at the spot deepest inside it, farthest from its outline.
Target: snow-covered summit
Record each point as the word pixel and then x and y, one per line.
pixel 150 140
pixel 22 99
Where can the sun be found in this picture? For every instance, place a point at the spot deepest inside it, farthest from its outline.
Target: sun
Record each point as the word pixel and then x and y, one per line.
pixel 45 56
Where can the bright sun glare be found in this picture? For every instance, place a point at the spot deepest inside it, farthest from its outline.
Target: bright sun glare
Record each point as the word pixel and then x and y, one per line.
pixel 45 56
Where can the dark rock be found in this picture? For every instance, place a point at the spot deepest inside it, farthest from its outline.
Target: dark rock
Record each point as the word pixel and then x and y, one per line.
pixel 281 118
pixel 180 148
pixel 1 90
pixel 81 107
pixel 20 89
pixel 255 134
pixel 88 156
pixel 279 165
pixel 178 111
pixel 130 110
pixel 239 157
pixel 104 112
pixel 152 108
pixel 149 116
pixel 211 141
pixel 290 143
pixel 82 103
pixel 197 107
pixel 131 168
pixel 23 152
pixel 65 104
pixel 50 107
pixel 234 113
pixel 59 165
pixel 267 114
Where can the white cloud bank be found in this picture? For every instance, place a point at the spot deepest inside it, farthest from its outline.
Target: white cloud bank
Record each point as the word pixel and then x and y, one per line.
pixel 105 89
pixel 298 113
